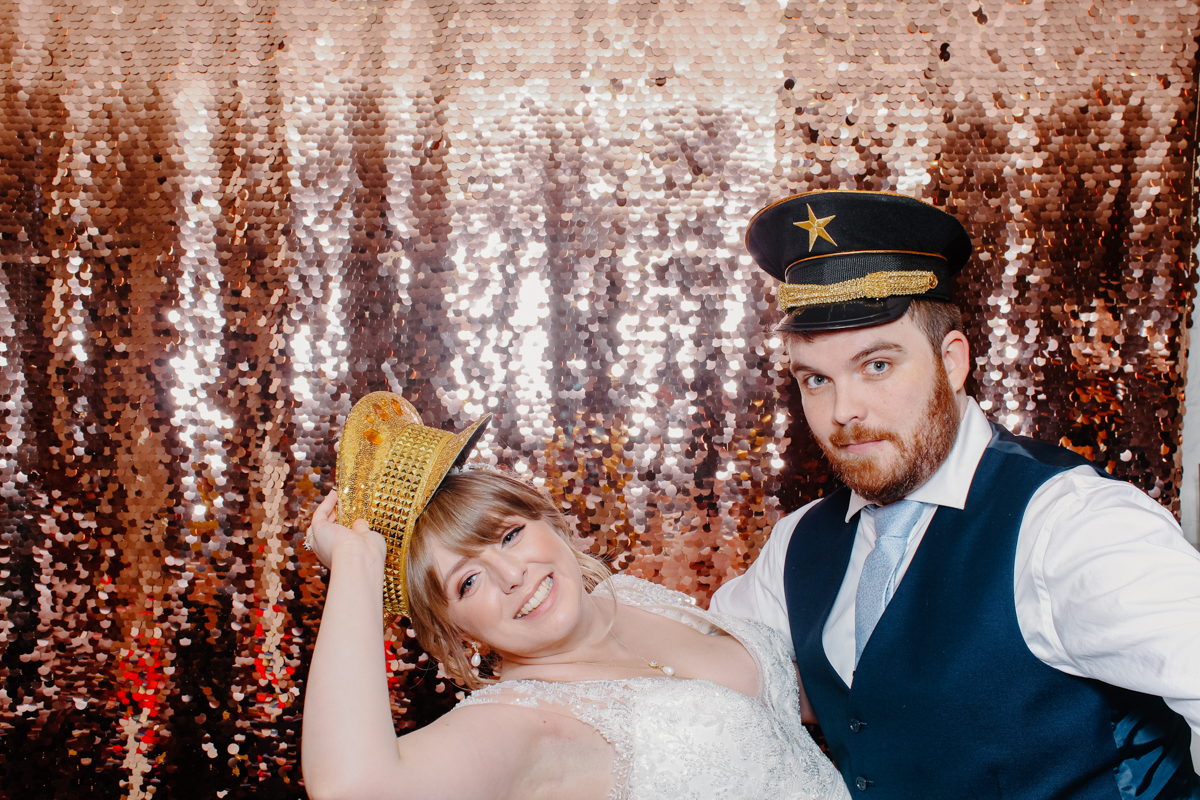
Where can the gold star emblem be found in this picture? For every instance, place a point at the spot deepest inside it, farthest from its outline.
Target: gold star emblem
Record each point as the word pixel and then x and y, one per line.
pixel 816 228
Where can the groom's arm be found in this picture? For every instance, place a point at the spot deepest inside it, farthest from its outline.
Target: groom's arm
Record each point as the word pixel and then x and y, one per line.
pixel 1108 588
pixel 758 594
pixel 807 715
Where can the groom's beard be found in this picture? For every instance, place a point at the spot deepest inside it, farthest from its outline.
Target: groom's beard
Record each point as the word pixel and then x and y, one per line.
pixel 885 478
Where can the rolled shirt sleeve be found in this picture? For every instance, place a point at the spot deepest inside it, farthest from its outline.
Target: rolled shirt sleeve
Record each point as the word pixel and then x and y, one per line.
pixel 1107 588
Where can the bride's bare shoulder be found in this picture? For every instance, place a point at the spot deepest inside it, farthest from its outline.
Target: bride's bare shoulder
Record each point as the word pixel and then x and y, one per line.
pixel 501 750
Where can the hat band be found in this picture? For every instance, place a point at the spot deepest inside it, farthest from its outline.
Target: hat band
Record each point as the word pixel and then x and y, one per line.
pixel 859 254
pixel 875 286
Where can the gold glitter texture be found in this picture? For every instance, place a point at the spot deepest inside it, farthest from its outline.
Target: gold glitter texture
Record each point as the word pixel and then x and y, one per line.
pixel 386 486
pixel 874 285
pixel 222 221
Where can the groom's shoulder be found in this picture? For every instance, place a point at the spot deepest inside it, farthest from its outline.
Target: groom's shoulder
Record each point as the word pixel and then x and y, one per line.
pixel 1077 487
pixel 1051 455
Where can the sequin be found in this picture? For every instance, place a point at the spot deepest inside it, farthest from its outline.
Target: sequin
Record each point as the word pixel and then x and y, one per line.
pixel 221 222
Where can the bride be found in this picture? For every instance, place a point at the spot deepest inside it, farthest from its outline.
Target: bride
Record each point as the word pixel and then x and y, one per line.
pixel 604 686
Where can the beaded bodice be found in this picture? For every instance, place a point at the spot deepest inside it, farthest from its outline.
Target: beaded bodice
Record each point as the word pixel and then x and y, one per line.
pixel 692 738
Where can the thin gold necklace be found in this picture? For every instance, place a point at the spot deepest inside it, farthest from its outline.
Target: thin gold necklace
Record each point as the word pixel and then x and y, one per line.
pixel 663 668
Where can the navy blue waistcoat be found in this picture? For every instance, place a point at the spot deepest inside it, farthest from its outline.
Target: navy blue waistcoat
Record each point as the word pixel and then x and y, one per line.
pixel 947 700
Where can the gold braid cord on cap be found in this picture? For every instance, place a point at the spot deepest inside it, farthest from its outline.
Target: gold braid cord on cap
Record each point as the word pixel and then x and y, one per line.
pixel 389 466
pixel 876 286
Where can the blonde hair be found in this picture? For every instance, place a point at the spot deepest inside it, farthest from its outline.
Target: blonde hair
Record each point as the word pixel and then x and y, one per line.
pixel 469 512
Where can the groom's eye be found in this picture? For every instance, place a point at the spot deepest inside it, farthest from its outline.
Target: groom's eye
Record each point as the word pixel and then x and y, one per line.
pixel 814 381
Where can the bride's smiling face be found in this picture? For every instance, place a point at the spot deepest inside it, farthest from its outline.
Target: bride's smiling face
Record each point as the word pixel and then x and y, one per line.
pixel 524 595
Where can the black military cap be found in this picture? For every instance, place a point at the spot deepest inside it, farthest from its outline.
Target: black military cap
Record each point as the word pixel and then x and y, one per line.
pixel 850 259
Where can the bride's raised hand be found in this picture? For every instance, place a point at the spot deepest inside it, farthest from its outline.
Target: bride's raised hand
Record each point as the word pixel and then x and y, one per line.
pixel 325 535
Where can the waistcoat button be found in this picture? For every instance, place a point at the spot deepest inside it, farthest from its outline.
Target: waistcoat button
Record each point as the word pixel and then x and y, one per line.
pixel 855 726
pixel 861 783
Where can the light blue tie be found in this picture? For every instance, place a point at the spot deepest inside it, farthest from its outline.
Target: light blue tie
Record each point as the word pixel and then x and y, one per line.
pixel 893 526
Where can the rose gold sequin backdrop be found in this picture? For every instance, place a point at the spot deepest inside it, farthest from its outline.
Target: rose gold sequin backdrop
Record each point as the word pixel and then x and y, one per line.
pixel 224 220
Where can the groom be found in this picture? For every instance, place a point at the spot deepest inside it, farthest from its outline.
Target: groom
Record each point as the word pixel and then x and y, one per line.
pixel 977 614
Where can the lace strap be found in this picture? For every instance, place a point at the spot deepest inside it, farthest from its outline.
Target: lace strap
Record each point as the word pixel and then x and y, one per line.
pixel 641 592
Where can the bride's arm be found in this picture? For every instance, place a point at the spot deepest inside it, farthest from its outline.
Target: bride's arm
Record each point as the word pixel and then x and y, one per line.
pixel 349 747
pixel 348 741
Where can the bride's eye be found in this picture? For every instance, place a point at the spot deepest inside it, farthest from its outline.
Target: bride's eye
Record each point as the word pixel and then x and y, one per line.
pixel 508 537
pixel 463 587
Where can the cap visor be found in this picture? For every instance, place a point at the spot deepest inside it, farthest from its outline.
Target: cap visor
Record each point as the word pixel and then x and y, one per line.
pixel 844 316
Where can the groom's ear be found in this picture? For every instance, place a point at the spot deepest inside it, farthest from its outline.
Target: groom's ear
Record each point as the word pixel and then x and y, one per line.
pixel 956 358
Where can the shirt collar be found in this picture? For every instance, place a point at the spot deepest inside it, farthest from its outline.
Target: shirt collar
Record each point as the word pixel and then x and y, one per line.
pixel 952 481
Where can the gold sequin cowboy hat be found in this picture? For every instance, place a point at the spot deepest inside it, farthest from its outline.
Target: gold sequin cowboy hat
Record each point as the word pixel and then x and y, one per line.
pixel 389 466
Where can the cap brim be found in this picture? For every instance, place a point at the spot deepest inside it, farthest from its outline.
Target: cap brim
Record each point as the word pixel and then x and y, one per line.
pixel 465 442
pixel 843 316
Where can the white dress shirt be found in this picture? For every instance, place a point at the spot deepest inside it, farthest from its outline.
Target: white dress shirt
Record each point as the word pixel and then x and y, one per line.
pixel 1106 587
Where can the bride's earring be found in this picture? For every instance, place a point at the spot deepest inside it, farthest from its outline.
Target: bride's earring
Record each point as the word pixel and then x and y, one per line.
pixel 476 659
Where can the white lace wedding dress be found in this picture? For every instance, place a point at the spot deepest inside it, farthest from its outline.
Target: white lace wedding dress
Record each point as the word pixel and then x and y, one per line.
pixel 678 739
